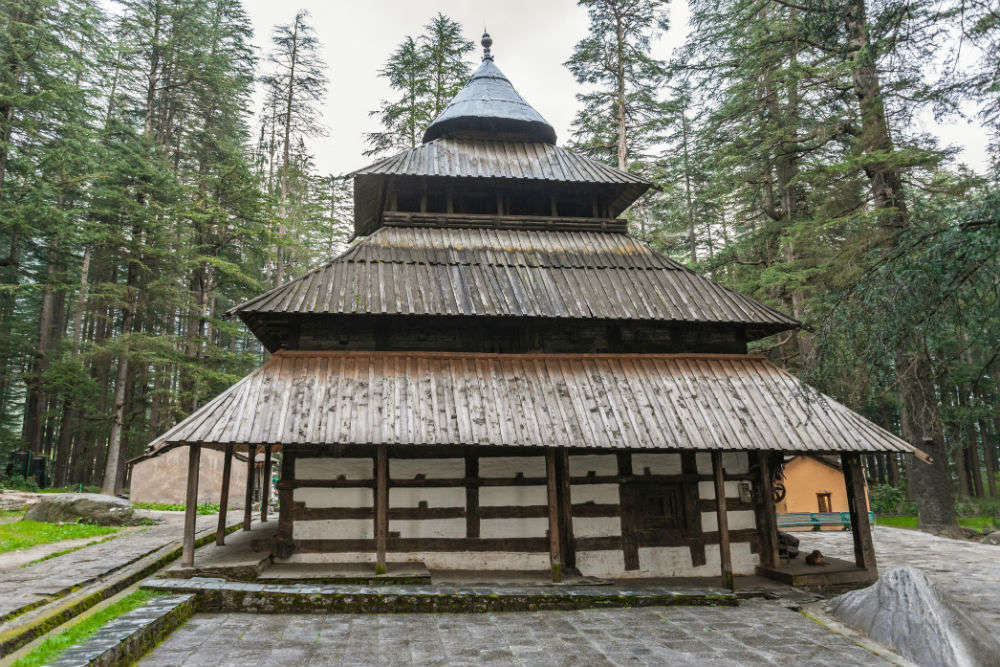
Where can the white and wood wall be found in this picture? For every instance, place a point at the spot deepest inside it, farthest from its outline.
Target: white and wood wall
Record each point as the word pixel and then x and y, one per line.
pixel 462 509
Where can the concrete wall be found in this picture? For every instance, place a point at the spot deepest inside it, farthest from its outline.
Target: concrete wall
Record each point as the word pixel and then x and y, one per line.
pixel 163 479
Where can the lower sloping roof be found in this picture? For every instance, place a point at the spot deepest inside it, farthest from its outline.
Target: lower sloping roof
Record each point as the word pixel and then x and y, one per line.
pixel 639 401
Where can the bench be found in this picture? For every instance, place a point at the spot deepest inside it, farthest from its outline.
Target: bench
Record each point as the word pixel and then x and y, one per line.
pixel 817 520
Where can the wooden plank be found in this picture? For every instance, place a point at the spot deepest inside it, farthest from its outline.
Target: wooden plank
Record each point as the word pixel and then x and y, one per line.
pixel 191 505
pixel 227 469
pixel 381 507
pixel 725 555
pixel 555 546
pixel 265 494
pixel 861 531
pixel 248 499
pixel 767 522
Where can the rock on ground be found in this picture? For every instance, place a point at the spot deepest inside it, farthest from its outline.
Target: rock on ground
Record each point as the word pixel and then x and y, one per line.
pixel 904 611
pixel 87 507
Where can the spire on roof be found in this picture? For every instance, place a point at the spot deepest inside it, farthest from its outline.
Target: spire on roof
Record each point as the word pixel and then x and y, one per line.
pixel 487 42
pixel 488 107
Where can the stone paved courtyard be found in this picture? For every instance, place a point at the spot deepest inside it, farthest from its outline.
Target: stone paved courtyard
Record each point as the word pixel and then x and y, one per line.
pixel 969 571
pixel 23 585
pixel 757 633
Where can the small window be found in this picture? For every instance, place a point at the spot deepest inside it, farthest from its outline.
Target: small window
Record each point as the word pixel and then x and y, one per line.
pixel 823 500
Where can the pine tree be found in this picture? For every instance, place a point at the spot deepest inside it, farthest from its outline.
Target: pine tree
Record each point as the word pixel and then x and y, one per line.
pixel 425 73
pixel 618 116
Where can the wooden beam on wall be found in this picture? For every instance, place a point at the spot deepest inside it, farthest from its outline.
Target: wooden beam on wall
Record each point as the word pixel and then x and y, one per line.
pixel 861 530
pixel 265 484
pixel 552 487
pixel 248 499
pixel 725 554
pixel 227 473
pixel 191 505
pixel 381 507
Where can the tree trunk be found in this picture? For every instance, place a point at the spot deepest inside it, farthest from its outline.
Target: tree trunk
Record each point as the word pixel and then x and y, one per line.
pixel 920 417
pixel 620 88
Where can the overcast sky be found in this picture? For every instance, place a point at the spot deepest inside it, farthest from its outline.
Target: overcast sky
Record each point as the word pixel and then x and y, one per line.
pixel 531 41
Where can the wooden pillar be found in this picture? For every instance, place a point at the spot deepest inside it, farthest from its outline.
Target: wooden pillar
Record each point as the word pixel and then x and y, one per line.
pixel 265 484
pixel 471 495
pixel 552 485
pixel 568 547
pixel 725 555
pixel 227 470
pixel 767 522
pixel 191 505
pixel 381 507
pixel 284 544
pixel 248 500
pixel 861 530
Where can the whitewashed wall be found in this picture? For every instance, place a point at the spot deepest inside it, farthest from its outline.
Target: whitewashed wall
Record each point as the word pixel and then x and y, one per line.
pixel 666 561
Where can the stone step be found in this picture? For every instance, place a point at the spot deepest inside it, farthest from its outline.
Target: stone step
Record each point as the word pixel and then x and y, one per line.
pixel 219 595
pixel 344 573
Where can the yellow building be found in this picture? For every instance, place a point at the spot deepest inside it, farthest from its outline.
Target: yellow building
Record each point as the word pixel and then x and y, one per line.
pixel 813 483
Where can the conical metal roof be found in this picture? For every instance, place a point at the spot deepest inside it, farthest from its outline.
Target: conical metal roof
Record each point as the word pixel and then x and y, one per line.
pixel 488 107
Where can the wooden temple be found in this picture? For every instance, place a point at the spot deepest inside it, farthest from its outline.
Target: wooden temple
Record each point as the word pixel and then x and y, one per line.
pixel 496 376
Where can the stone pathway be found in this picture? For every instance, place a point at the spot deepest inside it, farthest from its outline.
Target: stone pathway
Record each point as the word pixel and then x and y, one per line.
pixel 757 633
pixel 969 571
pixel 20 586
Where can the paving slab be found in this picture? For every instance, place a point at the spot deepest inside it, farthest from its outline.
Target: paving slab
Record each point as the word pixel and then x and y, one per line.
pixel 968 571
pixel 756 633
pixel 22 587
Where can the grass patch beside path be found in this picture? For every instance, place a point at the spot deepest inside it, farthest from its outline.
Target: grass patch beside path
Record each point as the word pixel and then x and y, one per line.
pixel 23 534
pixel 910 522
pixel 204 508
pixel 4 514
pixel 50 649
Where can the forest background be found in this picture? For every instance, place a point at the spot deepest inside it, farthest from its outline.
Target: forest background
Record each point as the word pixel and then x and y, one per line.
pixel 156 168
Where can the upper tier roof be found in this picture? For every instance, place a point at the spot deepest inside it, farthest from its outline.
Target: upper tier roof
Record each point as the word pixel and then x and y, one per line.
pixel 489 106
pixel 505 273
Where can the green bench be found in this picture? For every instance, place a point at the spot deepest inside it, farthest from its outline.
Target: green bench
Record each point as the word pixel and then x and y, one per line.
pixel 817 520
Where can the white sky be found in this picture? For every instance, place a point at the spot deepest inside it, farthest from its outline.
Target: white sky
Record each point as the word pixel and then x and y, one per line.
pixel 531 40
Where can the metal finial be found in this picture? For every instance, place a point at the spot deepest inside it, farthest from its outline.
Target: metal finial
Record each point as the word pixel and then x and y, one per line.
pixel 487 42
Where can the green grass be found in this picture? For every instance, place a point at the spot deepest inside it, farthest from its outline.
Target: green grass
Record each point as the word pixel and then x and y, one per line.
pixel 24 534
pixel 50 649
pixel 204 508
pixel 910 522
pixel 10 513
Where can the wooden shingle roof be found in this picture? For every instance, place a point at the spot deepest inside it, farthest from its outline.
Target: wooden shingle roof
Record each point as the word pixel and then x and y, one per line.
pixel 615 401
pixel 506 273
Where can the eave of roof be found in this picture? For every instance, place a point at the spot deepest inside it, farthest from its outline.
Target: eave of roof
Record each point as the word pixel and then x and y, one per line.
pixel 599 401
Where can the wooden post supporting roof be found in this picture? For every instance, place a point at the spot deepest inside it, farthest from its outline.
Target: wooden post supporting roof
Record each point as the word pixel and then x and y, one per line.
pixel 248 501
pixel 568 547
pixel 265 484
pixel 725 555
pixel 191 505
pixel 552 485
pixel 767 522
pixel 227 470
pixel 381 507
pixel 284 544
pixel 861 530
